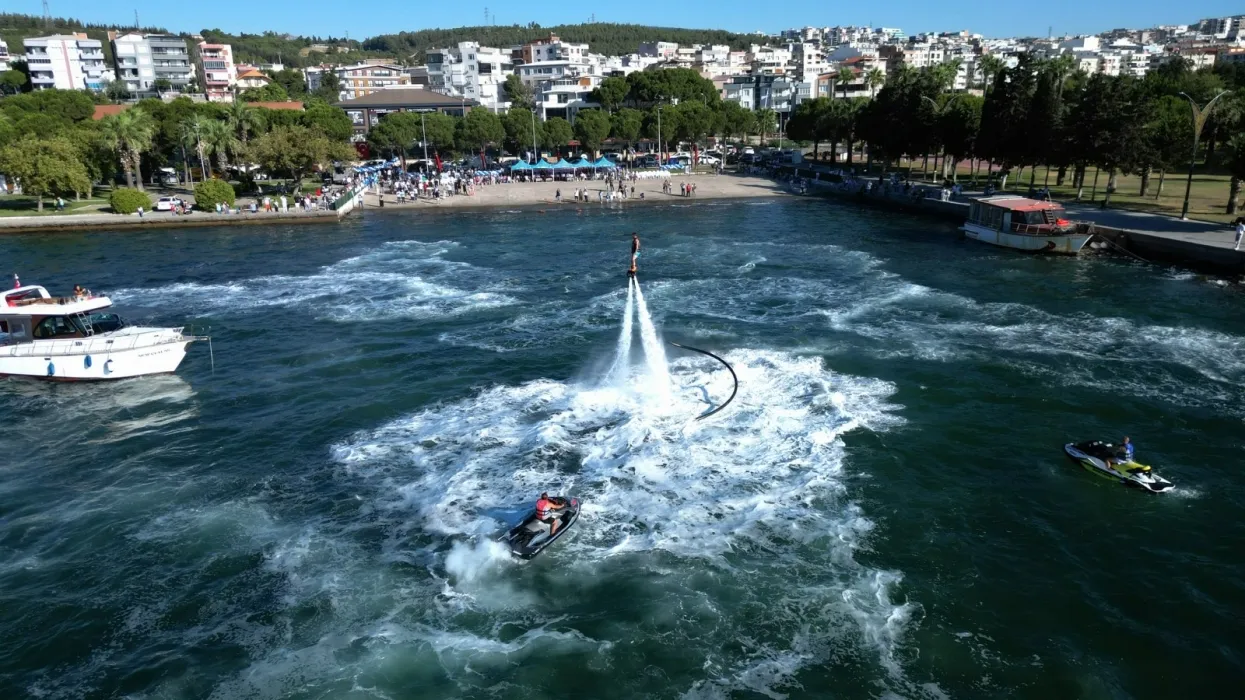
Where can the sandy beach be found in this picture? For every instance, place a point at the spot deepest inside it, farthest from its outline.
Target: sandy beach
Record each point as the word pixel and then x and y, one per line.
pixel 527 194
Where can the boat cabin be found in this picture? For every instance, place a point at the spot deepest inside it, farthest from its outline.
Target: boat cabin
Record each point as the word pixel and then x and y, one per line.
pixel 29 314
pixel 1018 214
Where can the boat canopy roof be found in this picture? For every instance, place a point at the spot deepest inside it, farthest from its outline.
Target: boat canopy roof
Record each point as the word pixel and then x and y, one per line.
pixel 34 300
pixel 1014 203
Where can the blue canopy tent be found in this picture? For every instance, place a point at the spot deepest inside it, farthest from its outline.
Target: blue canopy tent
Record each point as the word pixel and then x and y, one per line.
pixel 542 165
pixel 520 166
pixel 563 165
pixel 583 162
pixel 604 162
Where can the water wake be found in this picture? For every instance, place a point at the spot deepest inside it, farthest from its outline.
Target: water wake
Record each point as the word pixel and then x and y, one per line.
pixel 621 369
pixel 654 355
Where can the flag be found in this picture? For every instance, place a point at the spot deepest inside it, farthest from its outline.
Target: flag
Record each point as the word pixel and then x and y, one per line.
pixel 16 282
pixel 438 157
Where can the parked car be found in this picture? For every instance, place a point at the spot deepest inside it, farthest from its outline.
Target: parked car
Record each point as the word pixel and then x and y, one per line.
pixel 169 203
pixel 707 159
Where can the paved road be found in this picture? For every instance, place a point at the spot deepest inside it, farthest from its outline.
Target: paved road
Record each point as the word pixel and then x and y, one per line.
pixel 1204 232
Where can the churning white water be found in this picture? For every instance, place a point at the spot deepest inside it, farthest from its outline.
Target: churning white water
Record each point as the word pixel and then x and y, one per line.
pixel 654 356
pixel 621 368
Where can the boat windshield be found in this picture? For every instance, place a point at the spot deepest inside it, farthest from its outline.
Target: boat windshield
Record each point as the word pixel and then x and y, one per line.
pixel 99 322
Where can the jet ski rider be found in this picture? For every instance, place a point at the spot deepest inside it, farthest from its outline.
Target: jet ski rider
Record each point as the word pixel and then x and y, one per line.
pixel 545 507
pixel 1123 453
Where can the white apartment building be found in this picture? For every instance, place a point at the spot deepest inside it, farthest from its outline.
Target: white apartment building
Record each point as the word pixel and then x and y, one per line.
pixel 658 49
pixel 472 71
pixel 563 98
pixel 810 62
pixel 66 62
pixel 4 56
pixel 360 79
pixel 142 59
pixel 768 60
pixel 219 74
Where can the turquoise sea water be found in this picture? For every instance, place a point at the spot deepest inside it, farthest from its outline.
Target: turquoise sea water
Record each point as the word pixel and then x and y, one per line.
pixel 884 511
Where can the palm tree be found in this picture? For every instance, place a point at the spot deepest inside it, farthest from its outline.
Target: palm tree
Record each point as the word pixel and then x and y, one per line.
pixel 243 119
pixel 843 77
pixel 130 134
pixel 990 66
pixel 1236 168
pixel 766 122
pixel 191 133
pixel 218 138
pixel 874 79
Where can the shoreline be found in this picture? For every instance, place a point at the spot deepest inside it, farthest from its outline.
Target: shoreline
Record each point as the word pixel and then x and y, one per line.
pixel 516 196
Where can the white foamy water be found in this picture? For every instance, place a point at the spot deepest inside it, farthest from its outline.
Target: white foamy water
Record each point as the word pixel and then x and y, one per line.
pixel 401 279
pixel 654 354
pixel 620 369
pixel 763 482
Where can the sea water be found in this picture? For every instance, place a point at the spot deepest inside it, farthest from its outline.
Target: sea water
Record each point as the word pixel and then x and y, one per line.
pixel 314 518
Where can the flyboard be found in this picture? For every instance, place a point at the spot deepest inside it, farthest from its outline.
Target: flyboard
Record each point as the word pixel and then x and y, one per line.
pixel 728 367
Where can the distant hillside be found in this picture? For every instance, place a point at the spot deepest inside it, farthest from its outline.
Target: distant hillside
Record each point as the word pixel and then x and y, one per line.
pixel 601 37
pixel 406 47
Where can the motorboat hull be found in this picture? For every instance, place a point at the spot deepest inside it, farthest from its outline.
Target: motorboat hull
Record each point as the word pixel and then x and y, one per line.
pixel 531 536
pixel 95 359
pixel 1059 244
pixel 1128 473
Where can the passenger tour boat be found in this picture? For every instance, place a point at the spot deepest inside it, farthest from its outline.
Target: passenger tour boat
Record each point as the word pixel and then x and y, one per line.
pixel 77 338
pixel 1025 224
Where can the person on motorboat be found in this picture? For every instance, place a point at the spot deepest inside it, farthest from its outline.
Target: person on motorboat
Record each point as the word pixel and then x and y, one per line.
pixel 1123 453
pixel 546 508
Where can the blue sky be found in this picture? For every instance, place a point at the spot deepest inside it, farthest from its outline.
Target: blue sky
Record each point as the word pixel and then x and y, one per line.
pixel 319 17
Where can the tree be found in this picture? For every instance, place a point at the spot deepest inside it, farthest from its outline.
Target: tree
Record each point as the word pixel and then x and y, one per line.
pixel 11 81
pixel 294 151
pixel 333 121
pixel 958 127
pixel 330 87
pixel 117 90
pixel 243 119
pixel 592 126
pixel 1235 162
pixel 625 124
pixel 611 93
pixel 844 76
pixel 218 139
pixel 874 79
pixel 736 121
pixel 125 200
pixel 129 134
pixel 191 136
pixel 292 81
pixel 766 123
pixel 518 94
pixel 990 66
pixel 45 167
pixel 521 129
pixel 808 122
pixel 161 85
pixel 209 193
pixel 394 134
pixel 272 92
pixel 480 128
pixel 438 128
pixel 558 132
pixel 1169 136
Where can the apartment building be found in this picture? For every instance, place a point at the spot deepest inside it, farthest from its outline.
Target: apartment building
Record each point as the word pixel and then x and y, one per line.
pixel 472 71
pixel 361 79
pixel 658 49
pixel 554 49
pixel 142 59
pixel 66 62
pixel 218 74
pixel 765 92
pixel 4 56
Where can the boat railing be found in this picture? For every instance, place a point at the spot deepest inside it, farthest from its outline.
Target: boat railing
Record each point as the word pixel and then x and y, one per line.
pixel 94 345
pixel 1053 229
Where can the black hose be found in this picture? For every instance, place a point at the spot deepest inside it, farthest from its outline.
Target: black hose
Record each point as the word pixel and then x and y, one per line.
pixel 728 368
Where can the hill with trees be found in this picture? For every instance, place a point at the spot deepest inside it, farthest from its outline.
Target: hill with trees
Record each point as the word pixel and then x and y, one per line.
pixel 602 37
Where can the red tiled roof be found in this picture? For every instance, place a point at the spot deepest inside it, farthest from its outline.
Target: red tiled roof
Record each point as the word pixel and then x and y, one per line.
pixel 102 111
pixel 296 106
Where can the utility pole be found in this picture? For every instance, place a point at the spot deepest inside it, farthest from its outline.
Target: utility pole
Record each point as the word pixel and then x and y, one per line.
pixel 136 24
pixel 47 15
pixel 424 131
pixel 533 137
pixel 660 150
pixel 1200 115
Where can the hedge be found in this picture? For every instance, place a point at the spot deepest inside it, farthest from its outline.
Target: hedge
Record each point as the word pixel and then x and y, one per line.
pixel 127 200
pixel 209 193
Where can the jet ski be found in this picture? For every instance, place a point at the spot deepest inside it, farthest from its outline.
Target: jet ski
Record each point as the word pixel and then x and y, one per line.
pixel 1094 456
pixel 531 537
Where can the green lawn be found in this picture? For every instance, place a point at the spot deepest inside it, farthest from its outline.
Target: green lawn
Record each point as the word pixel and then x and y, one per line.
pixel 25 205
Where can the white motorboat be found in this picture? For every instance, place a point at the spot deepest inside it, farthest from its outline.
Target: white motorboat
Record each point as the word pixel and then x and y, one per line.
pixel 78 338
pixel 1031 225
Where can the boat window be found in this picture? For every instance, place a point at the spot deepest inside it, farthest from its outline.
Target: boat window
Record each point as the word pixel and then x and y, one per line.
pixel 102 323
pixel 56 327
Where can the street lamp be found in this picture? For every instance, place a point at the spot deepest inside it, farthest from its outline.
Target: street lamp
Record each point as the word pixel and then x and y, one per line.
pixel 1200 115
pixel 424 131
pixel 659 148
pixel 534 147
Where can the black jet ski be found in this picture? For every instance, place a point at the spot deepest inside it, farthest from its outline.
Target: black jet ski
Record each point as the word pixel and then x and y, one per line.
pixel 1106 460
pixel 531 537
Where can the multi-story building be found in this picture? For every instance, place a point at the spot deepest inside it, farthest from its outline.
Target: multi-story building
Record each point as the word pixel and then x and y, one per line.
pixel 4 56
pixel 552 48
pixel 251 77
pixel 143 59
pixel 472 71
pixel 66 62
pixel 218 74
pixel 564 97
pixel 764 92
pixel 658 49
pixel 361 79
